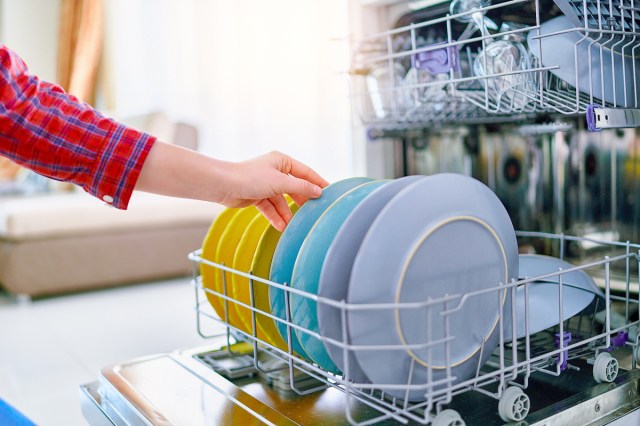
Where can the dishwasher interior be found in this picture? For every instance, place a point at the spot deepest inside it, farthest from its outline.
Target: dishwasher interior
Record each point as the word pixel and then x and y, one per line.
pixel 538 99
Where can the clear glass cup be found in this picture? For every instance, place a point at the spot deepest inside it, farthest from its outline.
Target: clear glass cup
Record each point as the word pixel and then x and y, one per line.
pixel 476 17
pixel 383 87
pixel 502 57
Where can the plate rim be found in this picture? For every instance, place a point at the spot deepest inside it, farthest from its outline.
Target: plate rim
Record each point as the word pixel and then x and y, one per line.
pixel 409 258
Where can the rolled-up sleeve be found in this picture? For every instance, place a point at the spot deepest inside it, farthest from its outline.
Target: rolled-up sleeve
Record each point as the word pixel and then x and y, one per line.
pixel 56 135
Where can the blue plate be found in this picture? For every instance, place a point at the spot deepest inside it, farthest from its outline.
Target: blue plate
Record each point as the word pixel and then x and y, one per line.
pixel 284 257
pixel 336 270
pixel 306 272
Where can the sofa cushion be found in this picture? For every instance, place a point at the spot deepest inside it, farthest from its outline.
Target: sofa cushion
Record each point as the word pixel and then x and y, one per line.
pixel 77 213
pixel 48 266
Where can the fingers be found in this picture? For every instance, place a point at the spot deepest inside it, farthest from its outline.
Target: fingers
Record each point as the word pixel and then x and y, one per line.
pixel 294 177
pixel 302 182
pixel 284 175
pixel 276 211
pixel 269 211
pixel 302 171
pixel 298 199
pixel 299 188
pixel 282 207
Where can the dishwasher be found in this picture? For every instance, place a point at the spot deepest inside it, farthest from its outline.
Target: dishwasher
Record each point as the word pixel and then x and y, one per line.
pixel 537 99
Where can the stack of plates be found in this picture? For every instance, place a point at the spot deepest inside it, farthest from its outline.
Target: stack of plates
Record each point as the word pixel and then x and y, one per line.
pixel 399 283
pixel 243 240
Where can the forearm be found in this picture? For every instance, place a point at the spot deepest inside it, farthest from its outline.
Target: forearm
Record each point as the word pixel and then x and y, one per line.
pixel 178 172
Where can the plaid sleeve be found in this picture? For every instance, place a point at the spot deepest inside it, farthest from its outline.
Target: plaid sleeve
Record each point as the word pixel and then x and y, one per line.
pixel 56 135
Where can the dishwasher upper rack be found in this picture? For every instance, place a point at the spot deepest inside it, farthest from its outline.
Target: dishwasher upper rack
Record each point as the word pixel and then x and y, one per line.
pixel 504 377
pixel 429 72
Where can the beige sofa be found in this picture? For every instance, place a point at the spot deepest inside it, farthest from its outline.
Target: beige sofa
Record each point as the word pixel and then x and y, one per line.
pixel 63 242
pixel 58 243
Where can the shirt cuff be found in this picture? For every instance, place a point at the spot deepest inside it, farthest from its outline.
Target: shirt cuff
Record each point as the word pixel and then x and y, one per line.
pixel 117 167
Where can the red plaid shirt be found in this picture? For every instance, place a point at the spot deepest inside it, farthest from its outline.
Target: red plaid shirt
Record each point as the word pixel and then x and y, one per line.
pixel 56 135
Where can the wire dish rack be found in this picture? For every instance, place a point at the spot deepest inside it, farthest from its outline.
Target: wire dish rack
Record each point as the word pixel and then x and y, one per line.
pixel 591 342
pixel 502 61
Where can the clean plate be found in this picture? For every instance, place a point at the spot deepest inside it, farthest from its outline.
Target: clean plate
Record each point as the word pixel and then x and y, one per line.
pixel 433 262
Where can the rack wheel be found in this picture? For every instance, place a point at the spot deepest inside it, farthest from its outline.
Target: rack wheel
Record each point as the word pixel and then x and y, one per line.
pixel 448 417
pixel 514 405
pixel 605 368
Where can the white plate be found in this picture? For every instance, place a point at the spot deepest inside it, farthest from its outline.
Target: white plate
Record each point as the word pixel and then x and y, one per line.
pixel 582 61
pixel 336 270
pixel 535 265
pixel 448 234
pixel 578 292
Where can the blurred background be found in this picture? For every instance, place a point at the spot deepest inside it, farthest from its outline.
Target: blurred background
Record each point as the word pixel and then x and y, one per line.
pixel 252 76
pixel 232 79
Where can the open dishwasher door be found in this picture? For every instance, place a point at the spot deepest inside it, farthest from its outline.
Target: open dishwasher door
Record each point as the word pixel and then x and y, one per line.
pixel 183 388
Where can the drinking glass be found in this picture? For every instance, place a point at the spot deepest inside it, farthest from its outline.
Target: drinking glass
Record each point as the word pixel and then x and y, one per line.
pixel 383 84
pixel 504 57
pixel 476 19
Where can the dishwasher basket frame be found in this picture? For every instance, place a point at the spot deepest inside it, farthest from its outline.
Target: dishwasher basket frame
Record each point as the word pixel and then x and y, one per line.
pixel 504 377
pixel 388 95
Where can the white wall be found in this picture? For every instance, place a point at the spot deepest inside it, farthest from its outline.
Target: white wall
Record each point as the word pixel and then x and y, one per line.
pixel 30 27
pixel 254 75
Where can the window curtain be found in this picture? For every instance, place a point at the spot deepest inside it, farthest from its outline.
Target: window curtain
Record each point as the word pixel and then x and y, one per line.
pixel 80 46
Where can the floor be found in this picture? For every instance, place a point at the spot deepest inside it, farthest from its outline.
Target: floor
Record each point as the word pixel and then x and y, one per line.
pixel 49 347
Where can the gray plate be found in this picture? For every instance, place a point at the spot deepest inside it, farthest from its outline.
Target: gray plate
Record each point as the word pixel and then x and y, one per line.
pixel 535 265
pixel 579 290
pixel 448 234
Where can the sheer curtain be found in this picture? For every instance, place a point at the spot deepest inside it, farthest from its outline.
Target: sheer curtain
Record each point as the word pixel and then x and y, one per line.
pixel 80 42
pixel 253 75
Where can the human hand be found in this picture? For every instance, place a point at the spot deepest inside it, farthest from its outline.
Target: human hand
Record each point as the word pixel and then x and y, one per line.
pixel 263 181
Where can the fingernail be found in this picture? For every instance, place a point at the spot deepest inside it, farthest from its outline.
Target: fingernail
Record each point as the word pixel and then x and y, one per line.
pixel 317 191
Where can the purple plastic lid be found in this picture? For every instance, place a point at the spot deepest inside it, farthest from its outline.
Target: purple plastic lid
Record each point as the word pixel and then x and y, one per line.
pixel 437 61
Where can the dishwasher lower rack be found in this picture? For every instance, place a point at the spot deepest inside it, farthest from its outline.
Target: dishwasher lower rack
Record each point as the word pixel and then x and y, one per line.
pixel 479 61
pixel 513 385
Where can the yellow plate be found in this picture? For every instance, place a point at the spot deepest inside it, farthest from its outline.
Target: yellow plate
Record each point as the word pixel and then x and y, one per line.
pixel 210 274
pixel 225 253
pixel 260 267
pixel 243 257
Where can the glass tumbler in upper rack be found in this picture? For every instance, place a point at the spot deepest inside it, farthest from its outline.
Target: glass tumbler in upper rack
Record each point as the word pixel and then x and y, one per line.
pixel 504 59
